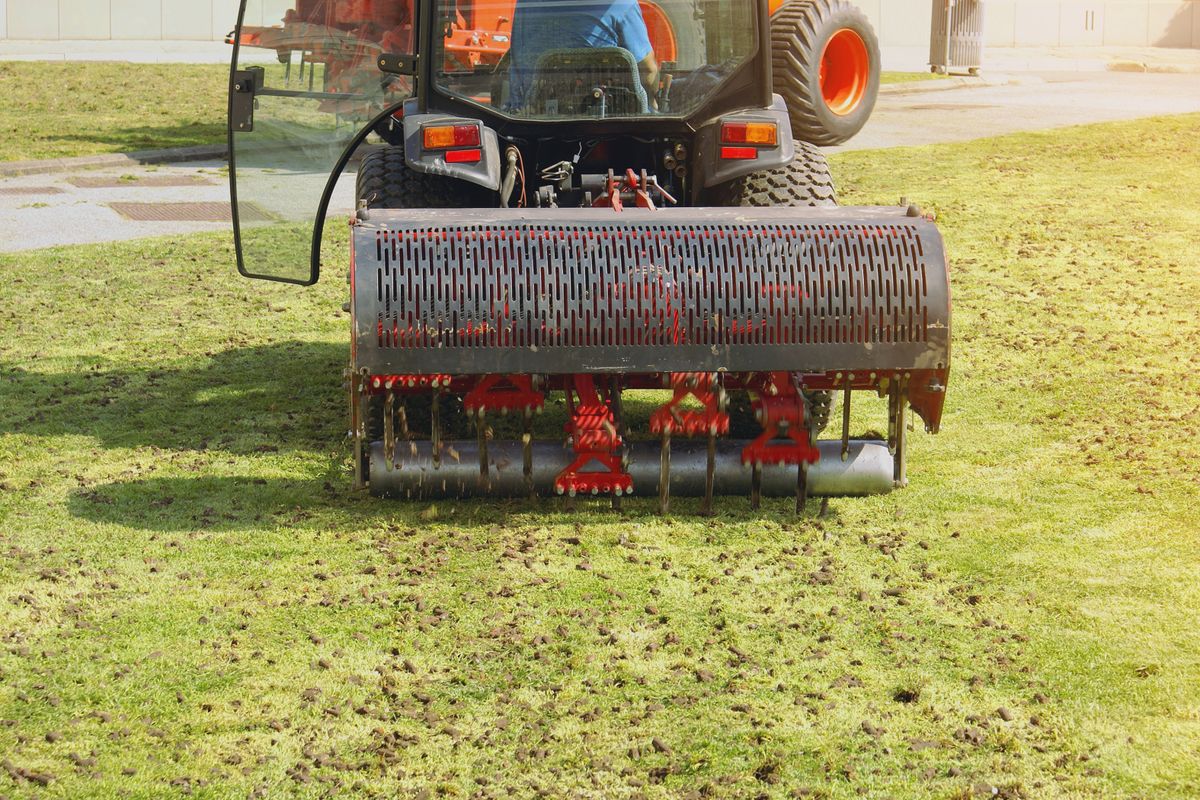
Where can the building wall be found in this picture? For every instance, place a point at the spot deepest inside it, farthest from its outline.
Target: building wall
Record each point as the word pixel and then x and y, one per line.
pixel 1159 23
pixel 900 23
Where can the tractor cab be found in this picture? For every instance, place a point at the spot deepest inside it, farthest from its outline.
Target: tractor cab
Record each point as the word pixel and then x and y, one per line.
pixel 573 84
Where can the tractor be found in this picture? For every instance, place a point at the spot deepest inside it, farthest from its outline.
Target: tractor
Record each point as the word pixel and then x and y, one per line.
pixel 561 202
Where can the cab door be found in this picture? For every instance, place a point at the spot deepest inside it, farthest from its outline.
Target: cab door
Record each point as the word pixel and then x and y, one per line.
pixel 304 82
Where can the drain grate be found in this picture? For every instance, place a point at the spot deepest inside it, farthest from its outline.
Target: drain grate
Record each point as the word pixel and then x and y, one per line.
pixel 157 181
pixel 187 212
pixel 28 191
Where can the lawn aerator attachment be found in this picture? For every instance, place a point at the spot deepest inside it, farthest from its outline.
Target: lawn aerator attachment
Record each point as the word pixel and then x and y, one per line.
pixel 561 205
pixel 490 312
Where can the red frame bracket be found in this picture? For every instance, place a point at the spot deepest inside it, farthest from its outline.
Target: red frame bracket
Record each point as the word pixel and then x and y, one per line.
pixel 505 393
pixel 785 439
pixel 674 420
pixel 596 441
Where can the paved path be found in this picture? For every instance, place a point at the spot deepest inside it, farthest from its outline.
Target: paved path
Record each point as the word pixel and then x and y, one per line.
pixel 67 208
pixel 1033 102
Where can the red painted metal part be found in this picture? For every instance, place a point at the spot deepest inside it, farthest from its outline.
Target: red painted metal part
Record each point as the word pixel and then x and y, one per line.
pixel 785 438
pixel 504 393
pixel 631 186
pixel 674 420
pixel 597 444
pixel 925 388
pixel 401 383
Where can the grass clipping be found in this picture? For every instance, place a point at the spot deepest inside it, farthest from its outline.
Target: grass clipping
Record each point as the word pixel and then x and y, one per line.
pixel 194 601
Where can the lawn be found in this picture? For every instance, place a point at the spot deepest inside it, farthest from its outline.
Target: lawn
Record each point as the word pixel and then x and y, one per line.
pixel 886 78
pixel 58 110
pixel 193 601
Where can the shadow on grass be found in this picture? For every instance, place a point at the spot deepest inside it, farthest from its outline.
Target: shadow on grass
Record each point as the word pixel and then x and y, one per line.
pixel 280 397
pixel 156 137
pixel 248 501
pixel 208 503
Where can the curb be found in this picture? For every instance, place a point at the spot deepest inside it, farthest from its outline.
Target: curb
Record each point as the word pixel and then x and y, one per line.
pixel 946 84
pixel 1121 65
pixel 12 169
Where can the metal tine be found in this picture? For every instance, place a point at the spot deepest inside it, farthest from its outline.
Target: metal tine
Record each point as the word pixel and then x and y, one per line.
pixel 527 448
pixel 706 507
pixel 802 467
pixel 358 401
pixel 618 409
pixel 846 419
pixel 893 405
pixel 901 477
pixel 664 475
pixel 717 385
pixel 389 431
pixel 481 430
pixel 435 428
pixel 801 487
pixel 756 487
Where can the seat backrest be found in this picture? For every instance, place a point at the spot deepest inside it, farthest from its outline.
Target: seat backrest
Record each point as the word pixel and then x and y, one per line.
pixel 587 81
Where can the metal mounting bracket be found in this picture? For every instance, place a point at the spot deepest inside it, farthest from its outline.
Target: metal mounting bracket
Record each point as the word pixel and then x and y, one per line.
pixel 398 64
pixel 246 82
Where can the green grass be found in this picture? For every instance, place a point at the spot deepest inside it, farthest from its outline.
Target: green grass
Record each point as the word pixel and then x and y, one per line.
pixel 907 77
pixel 57 110
pixel 192 599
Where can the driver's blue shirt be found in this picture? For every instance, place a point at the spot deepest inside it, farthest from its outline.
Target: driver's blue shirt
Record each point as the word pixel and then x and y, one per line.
pixel 543 25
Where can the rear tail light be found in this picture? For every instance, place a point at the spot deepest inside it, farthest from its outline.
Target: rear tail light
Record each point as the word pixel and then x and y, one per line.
pixel 444 137
pixel 741 141
pixel 765 134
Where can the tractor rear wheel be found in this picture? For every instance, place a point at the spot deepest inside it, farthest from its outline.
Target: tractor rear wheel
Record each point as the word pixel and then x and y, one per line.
pixel 825 63
pixel 385 181
pixel 806 181
pixel 673 31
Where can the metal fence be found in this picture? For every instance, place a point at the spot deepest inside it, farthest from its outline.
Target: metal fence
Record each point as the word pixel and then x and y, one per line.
pixel 956 43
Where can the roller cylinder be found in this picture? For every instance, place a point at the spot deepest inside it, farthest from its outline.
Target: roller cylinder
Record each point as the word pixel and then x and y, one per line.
pixel 868 470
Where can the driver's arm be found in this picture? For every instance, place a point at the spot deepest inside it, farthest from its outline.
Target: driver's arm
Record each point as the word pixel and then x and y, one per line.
pixel 648 71
pixel 634 37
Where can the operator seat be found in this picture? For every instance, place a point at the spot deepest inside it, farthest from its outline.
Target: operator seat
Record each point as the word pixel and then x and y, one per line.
pixel 587 82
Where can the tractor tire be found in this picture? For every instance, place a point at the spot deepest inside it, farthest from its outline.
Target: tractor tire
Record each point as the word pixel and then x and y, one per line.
pixel 806 181
pixel 689 42
pixel 825 63
pixel 385 181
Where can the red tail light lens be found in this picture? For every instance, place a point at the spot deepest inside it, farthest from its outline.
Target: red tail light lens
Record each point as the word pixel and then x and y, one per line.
pixel 464 156
pixel 738 153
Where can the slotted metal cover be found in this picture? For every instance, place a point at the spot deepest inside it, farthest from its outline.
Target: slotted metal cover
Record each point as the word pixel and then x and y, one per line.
pixel 557 291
